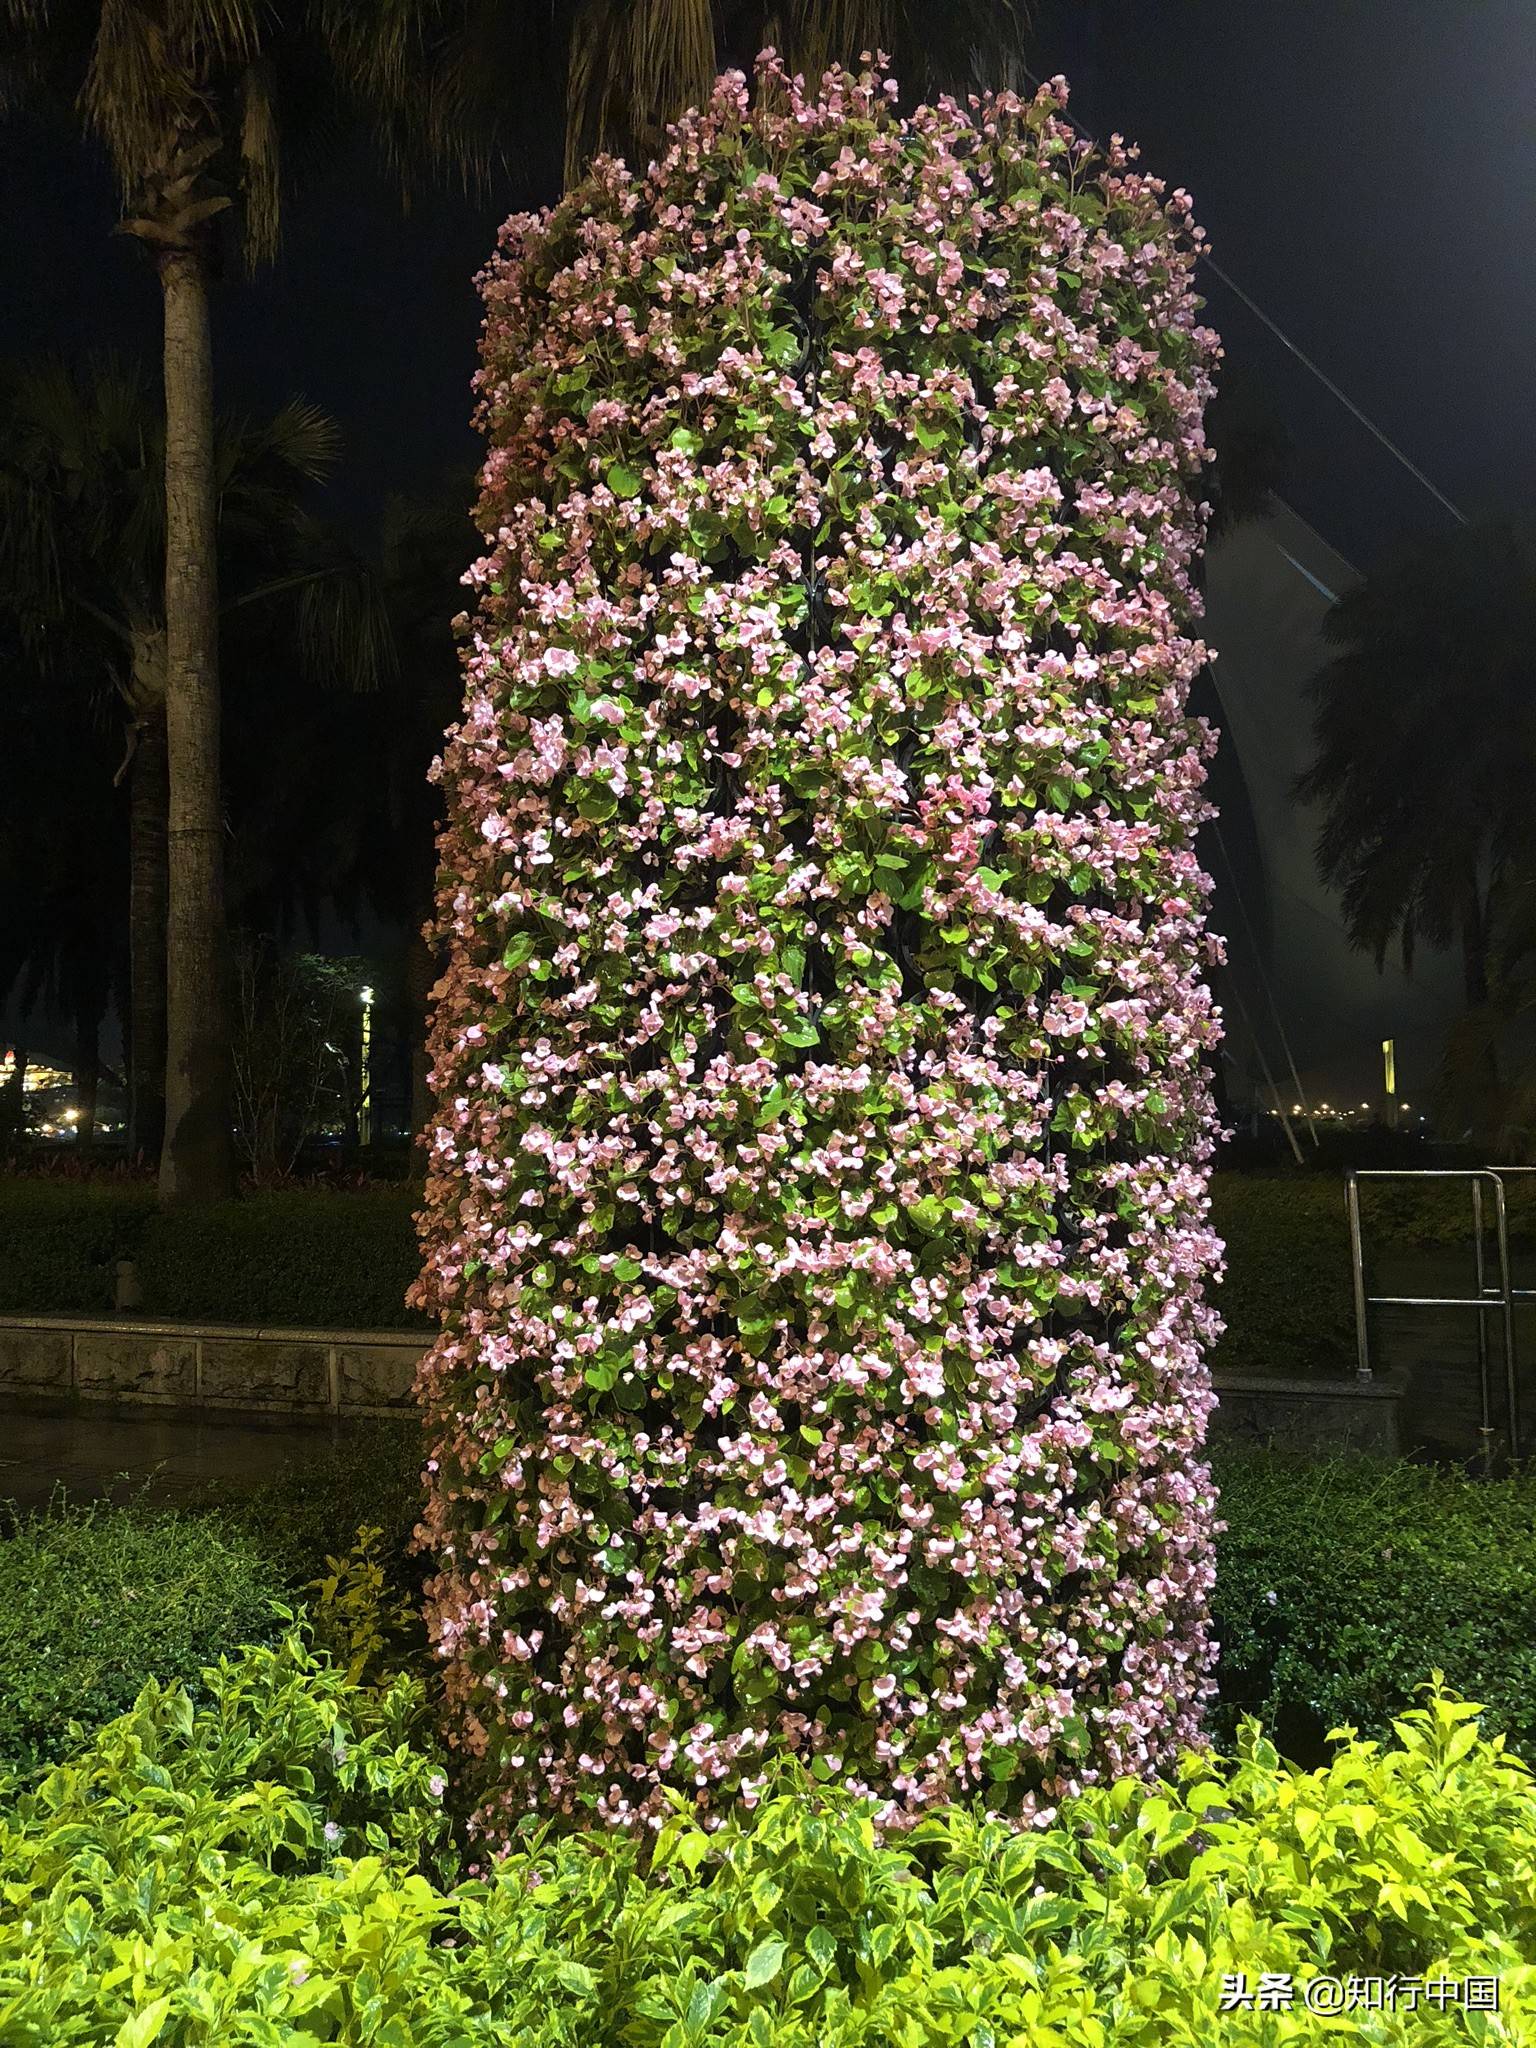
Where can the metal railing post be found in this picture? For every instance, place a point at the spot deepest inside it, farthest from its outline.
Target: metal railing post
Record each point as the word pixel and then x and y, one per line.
pixel 1486 1301
pixel 1484 1385
pixel 1357 1267
pixel 1511 1374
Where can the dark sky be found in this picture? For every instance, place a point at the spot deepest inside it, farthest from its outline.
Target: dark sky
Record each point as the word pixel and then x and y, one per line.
pixel 1367 171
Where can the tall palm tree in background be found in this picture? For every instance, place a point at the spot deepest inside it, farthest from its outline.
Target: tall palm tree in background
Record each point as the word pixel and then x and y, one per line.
pixel 1425 727
pixel 82 552
pixel 190 99
pixel 634 65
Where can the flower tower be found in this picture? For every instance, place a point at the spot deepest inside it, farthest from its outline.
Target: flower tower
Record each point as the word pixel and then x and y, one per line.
pixel 816 1210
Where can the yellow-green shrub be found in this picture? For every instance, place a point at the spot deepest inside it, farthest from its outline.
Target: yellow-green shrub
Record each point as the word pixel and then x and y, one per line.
pixel 272 1867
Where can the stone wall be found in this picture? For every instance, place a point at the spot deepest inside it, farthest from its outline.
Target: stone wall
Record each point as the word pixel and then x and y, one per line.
pixel 209 1365
pixel 370 1372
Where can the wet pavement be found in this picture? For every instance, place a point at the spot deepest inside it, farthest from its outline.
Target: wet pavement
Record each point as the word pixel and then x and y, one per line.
pixel 167 1458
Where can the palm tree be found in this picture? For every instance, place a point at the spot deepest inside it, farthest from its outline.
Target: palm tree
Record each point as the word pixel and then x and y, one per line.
pixel 82 544
pixel 185 95
pixel 635 65
pixel 190 98
pixel 1425 728
pixel 352 825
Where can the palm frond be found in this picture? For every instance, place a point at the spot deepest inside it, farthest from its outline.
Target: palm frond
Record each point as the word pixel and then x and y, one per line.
pixel 260 161
pixel 209 34
pixel 135 95
pixel 820 33
pixel 634 66
pixel 255 459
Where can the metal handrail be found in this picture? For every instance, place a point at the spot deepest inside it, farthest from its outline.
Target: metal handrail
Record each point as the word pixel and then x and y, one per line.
pixel 1486 1300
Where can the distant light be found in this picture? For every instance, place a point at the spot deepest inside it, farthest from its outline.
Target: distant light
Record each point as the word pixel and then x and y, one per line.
pixel 71 1116
pixel 1405 1105
pixel 367 996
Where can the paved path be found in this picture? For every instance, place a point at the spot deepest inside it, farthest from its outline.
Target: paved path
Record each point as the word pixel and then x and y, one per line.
pixel 168 1457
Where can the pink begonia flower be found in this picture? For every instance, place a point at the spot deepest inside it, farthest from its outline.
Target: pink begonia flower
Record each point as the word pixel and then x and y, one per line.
pixel 816 1203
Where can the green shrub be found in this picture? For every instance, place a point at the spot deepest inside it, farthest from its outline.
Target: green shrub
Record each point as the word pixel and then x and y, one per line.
pixel 294 1256
pixel 94 1600
pixel 60 1240
pixel 368 1475
pixel 273 1866
pixel 1340 1587
pixel 362 1619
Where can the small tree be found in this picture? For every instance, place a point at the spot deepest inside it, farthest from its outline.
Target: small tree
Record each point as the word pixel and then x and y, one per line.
pixel 816 1208
pixel 295 1017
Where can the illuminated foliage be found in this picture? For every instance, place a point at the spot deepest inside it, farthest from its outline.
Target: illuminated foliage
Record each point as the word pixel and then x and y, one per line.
pixel 816 1208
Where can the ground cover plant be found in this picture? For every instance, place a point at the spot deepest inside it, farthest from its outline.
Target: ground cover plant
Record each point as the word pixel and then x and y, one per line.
pixel 276 1863
pixel 816 1205
pixel 96 1599
pixel 1342 1585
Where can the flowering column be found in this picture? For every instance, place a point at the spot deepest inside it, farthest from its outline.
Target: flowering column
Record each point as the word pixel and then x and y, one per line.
pixel 816 1208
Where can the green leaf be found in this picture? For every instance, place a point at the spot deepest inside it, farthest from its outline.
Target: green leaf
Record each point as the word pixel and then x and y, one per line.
pixel 576 1978
pixel 623 481
pixel 597 802
pixel 763 1964
pixel 142 2027
pixel 821 1947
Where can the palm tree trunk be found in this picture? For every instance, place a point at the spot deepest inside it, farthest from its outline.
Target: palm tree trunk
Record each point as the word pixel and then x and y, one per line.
pixel 197 1163
pixel 146 938
pixel 1474 950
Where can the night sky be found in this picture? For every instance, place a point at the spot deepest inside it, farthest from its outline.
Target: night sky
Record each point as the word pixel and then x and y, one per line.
pixel 1367 172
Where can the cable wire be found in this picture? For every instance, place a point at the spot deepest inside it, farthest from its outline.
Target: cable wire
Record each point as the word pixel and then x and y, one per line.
pixel 1378 433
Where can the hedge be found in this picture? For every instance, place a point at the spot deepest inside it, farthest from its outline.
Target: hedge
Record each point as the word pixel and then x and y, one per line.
pixel 60 1240
pixel 324 1259
pixel 95 1600
pixel 1286 1300
pixel 296 1257
pixel 272 1863
pixel 333 1259
pixel 1340 1587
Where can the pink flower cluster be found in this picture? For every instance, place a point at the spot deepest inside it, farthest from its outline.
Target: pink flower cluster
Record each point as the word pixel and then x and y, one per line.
pixel 816 1209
